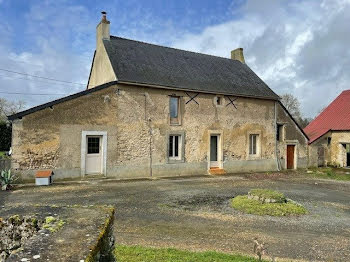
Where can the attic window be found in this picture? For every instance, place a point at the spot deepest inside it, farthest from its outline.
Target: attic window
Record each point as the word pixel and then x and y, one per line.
pixel 329 139
pixel 218 101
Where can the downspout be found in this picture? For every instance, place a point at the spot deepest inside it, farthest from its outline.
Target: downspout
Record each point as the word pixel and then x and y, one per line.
pixel 276 149
pixel 148 122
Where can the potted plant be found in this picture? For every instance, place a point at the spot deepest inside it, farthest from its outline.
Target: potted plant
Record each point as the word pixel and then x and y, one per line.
pixel 7 179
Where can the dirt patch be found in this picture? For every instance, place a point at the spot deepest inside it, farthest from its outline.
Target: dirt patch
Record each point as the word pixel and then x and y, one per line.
pixel 195 202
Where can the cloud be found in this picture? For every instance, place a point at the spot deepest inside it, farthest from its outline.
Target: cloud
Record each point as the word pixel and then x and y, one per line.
pixel 54 47
pixel 298 47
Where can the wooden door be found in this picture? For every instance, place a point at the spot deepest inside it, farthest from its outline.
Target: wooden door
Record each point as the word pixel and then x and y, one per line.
pixel 290 156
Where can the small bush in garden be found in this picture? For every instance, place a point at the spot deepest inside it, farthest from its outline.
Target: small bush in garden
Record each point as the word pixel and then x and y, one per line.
pixel 267 202
pixel 7 179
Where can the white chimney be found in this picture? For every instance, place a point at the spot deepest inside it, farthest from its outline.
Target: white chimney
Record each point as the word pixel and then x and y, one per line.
pixel 102 30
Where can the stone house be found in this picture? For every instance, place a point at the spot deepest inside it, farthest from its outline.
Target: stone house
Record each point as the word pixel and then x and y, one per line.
pixel 329 134
pixel 151 110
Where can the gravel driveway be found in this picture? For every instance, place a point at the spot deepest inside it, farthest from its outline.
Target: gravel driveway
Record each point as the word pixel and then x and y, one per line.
pixel 194 213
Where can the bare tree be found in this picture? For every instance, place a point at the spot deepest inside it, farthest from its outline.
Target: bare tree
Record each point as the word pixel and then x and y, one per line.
pixel 293 106
pixel 9 107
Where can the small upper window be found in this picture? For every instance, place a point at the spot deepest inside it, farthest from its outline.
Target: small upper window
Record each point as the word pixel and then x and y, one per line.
pixel 174 109
pixel 279 132
pixel 218 100
pixel 329 140
pixel 253 144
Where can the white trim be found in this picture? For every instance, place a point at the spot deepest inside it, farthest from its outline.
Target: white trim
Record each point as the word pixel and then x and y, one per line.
pixel 84 134
pixel 220 148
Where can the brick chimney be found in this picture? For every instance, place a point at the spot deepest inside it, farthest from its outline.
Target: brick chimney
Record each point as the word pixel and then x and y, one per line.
pixel 102 30
pixel 237 54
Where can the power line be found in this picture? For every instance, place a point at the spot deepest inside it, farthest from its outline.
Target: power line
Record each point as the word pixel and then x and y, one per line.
pixel 31 79
pixel 46 78
pixel 31 94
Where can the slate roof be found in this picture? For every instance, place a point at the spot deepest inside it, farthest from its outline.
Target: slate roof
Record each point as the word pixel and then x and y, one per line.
pixel 144 63
pixel 335 117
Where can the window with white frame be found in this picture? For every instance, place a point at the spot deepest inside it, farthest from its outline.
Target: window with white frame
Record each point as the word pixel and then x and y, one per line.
pixel 175 147
pixel 253 144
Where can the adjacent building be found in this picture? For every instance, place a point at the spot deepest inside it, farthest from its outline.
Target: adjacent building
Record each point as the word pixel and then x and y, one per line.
pixel 329 134
pixel 151 110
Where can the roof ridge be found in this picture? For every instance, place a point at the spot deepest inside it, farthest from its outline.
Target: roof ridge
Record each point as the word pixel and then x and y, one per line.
pixel 174 48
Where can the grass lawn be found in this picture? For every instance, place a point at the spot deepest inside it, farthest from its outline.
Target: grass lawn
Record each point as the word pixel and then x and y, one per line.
pixel 2 154
pixel 147 254
pixel 330 173
pixel 252 206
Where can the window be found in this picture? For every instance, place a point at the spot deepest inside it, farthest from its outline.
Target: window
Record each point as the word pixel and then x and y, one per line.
pixel 174 110
pixel 329 140
pixel 253 144
pixel 174 147
pixel 279 134
pixel 218 101
pixel 93 145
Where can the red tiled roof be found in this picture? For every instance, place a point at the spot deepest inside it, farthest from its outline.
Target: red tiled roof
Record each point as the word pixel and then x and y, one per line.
pixel 44 173
pixel 335 117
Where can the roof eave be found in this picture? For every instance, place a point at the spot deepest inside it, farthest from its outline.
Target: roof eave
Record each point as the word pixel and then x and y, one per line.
pixel 129 82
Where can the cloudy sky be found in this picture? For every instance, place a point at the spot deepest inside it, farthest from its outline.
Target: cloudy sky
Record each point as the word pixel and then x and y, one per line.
pixel 298 47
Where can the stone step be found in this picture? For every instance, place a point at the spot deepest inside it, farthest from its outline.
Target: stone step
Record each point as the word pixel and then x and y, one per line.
pixel 217 171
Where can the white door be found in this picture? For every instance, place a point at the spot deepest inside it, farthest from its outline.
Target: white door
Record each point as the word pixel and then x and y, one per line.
pixel 214 152
pixel 93 158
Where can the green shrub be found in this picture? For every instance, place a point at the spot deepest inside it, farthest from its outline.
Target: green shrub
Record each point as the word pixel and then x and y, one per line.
pixel 251 206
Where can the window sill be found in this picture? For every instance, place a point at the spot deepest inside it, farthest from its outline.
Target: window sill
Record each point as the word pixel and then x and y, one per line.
pixel 175 161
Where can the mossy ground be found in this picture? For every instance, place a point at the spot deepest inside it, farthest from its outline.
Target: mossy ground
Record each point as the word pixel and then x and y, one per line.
pixel 251 206
pixel 147 254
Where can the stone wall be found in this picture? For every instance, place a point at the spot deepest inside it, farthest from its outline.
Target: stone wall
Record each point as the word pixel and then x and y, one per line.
pixel 136 120
pixel 334 151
